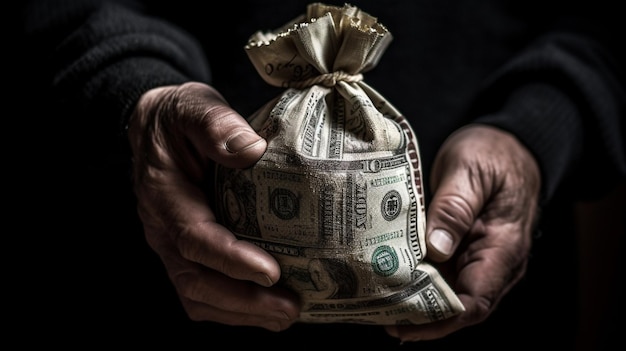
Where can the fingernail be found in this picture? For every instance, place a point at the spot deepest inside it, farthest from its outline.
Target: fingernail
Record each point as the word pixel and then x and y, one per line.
pixel 263 279
pixel 441 240
pixel 242 141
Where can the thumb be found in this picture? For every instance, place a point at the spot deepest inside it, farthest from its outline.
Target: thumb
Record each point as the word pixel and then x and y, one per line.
pixel 221 132
pixel 457 200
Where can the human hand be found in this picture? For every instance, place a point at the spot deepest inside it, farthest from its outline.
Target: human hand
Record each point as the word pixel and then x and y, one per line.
pixel 485 204
pixel 175 133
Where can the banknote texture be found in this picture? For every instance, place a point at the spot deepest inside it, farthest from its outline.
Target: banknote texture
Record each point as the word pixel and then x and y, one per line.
pixel 337 197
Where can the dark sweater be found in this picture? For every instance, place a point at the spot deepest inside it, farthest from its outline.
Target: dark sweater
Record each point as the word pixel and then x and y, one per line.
pixel 543 72
pixel 551 72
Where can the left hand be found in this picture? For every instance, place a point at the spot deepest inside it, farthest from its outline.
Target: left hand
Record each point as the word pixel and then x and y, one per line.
pixel 479 224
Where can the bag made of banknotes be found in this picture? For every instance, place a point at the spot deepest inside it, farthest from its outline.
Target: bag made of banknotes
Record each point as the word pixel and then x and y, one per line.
pixel 337 197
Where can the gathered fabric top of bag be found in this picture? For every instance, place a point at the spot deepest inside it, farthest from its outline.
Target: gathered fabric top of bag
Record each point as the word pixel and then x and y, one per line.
pixel 327 45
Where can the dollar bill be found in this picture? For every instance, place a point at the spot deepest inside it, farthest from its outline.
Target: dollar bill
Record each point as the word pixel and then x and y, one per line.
pixel 337 197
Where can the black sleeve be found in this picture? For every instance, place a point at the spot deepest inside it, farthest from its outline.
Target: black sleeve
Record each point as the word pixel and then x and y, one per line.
pixel 564 97
pixel 96 58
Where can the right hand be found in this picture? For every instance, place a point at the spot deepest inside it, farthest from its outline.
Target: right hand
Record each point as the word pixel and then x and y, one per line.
pixel 174 133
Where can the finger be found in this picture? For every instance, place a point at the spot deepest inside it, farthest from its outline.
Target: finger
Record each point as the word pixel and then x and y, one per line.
pixel 216 247
pixel 210 295
pixel 201 312
pixel 193 235
pixel 218 130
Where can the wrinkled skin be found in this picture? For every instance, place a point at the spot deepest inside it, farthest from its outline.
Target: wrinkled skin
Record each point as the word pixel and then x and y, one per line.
pixel 486 188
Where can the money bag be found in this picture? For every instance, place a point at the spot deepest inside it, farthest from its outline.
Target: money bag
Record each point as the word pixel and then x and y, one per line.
pixel 337 197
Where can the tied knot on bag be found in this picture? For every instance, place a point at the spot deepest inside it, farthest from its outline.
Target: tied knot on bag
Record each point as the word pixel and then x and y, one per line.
pixel 327 80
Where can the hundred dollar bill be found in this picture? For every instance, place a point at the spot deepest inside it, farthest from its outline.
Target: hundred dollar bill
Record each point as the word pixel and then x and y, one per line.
pixel 337 197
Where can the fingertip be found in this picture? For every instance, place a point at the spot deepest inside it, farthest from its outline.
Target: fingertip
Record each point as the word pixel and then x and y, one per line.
pixel 263 279
pixel 264 271
pixel 243 141
pixel 247 146
pixel 441 241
